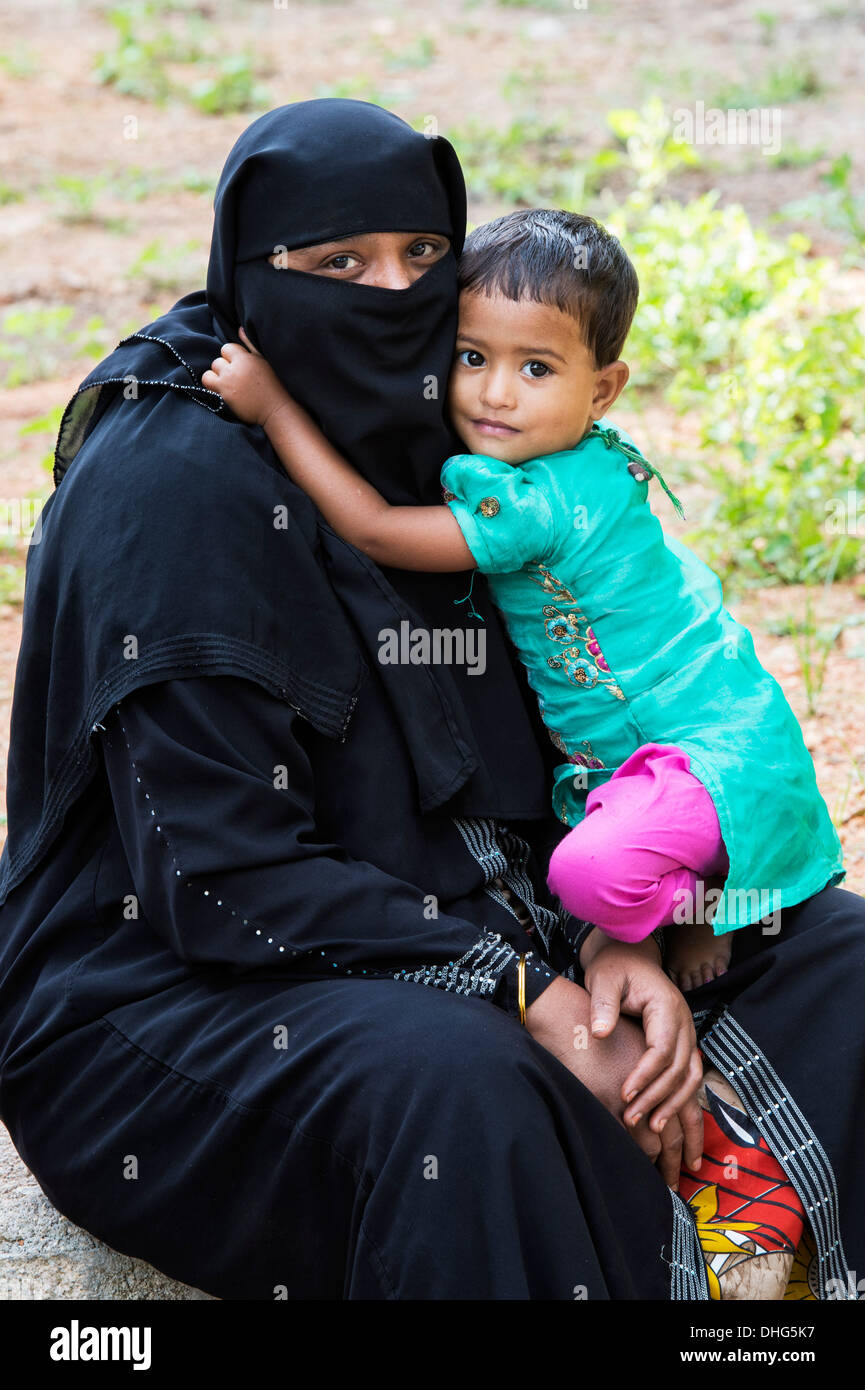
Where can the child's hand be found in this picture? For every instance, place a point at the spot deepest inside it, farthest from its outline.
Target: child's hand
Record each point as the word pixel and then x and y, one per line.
pixel 246 382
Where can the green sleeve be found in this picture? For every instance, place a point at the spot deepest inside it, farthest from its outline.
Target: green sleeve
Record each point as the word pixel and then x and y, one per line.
pixel 505 516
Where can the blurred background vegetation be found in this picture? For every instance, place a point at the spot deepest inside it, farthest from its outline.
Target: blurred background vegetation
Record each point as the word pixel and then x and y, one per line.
pixel 748 346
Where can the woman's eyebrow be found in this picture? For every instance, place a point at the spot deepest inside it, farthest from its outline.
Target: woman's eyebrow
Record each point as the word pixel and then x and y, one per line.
pixel 320 246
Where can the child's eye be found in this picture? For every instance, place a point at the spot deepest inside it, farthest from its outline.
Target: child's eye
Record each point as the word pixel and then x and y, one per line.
pixel 471 352
pixel 544 369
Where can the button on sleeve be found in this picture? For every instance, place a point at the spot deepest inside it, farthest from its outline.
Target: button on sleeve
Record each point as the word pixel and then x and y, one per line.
pixel 505 517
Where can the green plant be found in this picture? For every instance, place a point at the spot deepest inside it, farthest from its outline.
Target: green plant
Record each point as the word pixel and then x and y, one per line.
pixel 48 424
pixel 12 589
pixel 149 49
pixel 649 149
pixel 233 87
pixel 813 646
pixel 160 267
pixel 31 340
pixel 145 45
pixel 529 162
pixel 363 89
pixel 794 81
pixel 733 326
pixel 839 208
pixel 417 55
pixel 794 156
pixel 19 63
pixel 768 21
pixel 37 341
pixel 77 197
pixel 840 815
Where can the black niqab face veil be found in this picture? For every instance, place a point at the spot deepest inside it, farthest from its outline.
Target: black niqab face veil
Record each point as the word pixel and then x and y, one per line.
pixel 161 530
pixel 369 363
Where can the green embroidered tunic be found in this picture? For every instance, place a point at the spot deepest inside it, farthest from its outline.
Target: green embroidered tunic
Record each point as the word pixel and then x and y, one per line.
pixel 626 641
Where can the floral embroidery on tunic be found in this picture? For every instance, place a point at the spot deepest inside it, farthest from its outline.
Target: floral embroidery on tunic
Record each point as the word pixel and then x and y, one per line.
pixel 584 759
pixel 583 659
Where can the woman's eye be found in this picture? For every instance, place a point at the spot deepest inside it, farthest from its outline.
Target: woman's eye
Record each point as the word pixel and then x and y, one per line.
pixel 544 369
pixel 470 352
pixel 332 263
pixel 433 247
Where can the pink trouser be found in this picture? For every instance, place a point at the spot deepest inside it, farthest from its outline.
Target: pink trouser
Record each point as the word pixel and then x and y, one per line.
pixel 648 834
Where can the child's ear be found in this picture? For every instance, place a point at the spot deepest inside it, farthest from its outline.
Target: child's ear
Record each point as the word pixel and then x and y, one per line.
pixel 610 382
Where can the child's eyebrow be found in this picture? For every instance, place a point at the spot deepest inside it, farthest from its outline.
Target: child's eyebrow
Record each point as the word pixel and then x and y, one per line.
pixel 529 351
pixel 542 352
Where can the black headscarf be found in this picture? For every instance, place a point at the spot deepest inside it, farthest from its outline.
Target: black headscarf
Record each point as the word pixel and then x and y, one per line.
pixel 175 544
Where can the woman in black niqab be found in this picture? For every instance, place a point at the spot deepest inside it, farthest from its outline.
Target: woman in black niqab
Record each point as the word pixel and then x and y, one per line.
pixel 267 590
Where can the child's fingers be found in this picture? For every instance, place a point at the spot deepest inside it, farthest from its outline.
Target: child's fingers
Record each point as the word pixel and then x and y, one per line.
pixel 668 1077
pixel 669 1161
pixel 691 1120
pixel 605 1012
pixel 665 1044
pixel 605 991
pixel 678 1096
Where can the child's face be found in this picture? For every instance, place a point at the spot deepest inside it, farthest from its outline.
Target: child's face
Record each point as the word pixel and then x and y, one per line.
pixel 524 367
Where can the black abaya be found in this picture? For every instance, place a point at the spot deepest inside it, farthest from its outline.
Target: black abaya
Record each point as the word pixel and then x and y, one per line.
pixel 310 1135
pixel 295 1125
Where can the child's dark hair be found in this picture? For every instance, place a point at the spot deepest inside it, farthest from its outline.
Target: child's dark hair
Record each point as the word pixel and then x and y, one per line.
pixel 559 258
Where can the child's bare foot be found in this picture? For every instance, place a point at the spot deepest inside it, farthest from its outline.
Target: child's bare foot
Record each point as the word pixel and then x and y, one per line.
pixel 694 955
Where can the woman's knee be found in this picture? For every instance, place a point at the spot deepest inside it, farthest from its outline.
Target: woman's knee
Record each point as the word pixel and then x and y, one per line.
pixel 444 1050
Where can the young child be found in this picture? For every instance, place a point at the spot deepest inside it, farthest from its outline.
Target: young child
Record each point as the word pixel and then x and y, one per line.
pixel 683 765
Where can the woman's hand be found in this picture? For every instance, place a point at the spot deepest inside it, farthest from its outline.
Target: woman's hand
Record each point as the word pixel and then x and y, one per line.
pixel 627 978
pixel 246 382
pixel 560 1020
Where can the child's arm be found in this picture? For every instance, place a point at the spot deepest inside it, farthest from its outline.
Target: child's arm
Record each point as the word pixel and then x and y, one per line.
pixel 411 538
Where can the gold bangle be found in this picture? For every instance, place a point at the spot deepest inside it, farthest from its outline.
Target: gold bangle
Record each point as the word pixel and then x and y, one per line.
pixel 521 989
